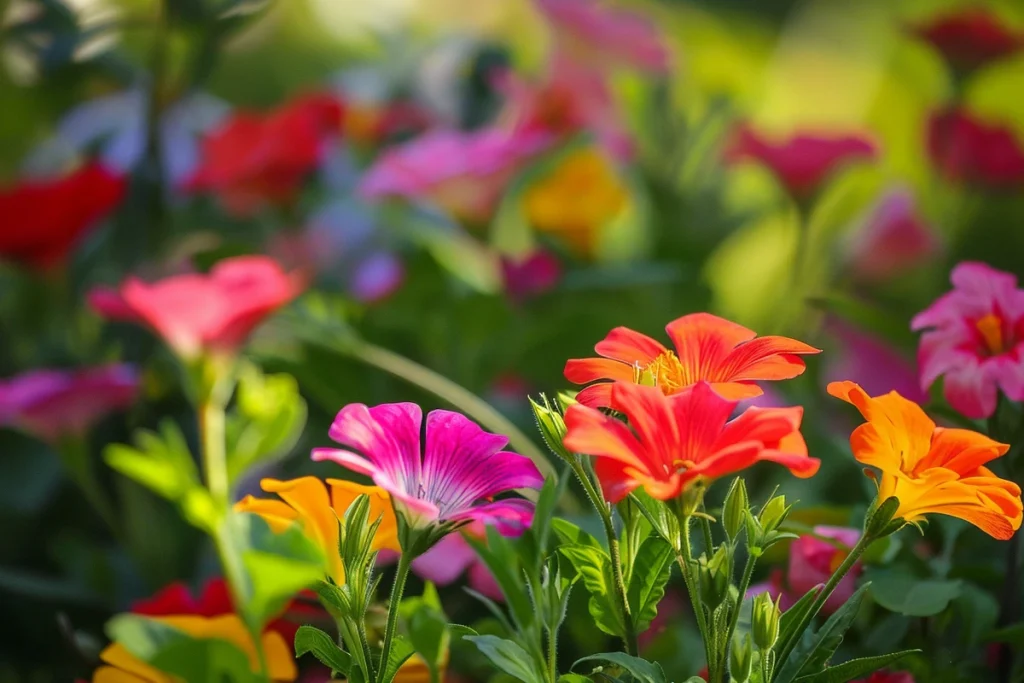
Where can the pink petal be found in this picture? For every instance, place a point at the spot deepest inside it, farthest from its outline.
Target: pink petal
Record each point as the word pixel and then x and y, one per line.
pixel 388 434
pixel 446 561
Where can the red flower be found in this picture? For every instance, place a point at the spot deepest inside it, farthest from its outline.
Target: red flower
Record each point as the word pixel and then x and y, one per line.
pixel 195 313
pixel 257 158
pixel 802 163
pixel 534 274
pixel 44 219
pixel 677 440
pixel 887 677
pixel 708 348
pixel 970 38
pixel 966 150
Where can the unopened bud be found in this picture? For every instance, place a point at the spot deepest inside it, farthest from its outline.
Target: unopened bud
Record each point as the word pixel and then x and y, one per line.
pixel 880 522
pixel 773 514
pixel 741 659
pixel 734 510
pixel 714 577
pixel 551 426
pixel 765 616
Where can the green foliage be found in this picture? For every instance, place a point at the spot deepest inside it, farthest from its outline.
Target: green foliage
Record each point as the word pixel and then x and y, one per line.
pixel 912 596
pixel 427 627
pixel 509 657
pixel 854 669
pixel 267 420
pixel 641 670
pixel 314 641
pixel 593 565
pixel 650 572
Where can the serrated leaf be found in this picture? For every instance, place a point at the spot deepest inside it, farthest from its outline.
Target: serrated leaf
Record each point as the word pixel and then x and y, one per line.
pixel 640 669
pixel 508 656
pixel 594 566
pixel 911 596
pixel 652 568
pixel 570 534
pixel 855 668
pixel 793 616
pixel 309 639
pixel 814 653
pixel 401 651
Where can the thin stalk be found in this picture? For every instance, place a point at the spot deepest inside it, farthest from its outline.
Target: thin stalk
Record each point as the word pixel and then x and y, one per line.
pixel 397 588
pixel 709 542
pixel 552 655
pixel 766 672
pixel 353 637
pixel 684 559
pixel 734 617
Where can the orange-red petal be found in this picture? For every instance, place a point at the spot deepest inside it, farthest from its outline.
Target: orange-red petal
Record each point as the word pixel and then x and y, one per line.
pixel 629 346
pixel 586 370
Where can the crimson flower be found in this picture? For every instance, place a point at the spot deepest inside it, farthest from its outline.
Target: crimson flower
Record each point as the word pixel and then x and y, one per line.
pixel 44 219
pixel 970 38
pixel 197 313
pixel 967 150
pixel 534 274
pixel 802 163
pixel 894 238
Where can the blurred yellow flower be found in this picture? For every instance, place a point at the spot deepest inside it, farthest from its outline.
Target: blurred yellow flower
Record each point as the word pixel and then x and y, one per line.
pixel 577 199
pixel 123 667
pixel 305 500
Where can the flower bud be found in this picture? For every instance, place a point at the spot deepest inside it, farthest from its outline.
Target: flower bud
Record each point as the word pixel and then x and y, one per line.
pixel 552 426
pixel 765 616
pixel 773 514
pixel 741 658
pixel 714 577
pixel 733 512
pixel 880 522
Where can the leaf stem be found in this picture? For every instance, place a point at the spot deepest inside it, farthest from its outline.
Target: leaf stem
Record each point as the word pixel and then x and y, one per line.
pixel 734 617
pixel 397 588
pixel 685 558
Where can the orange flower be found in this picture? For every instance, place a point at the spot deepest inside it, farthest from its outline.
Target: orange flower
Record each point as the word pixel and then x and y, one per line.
pixel 708 348
pixel 305 501
pixel 931 469
pixel 678 440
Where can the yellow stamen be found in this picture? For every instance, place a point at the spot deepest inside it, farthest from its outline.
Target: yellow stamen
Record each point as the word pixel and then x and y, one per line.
pixel 667 373
pixel 991 329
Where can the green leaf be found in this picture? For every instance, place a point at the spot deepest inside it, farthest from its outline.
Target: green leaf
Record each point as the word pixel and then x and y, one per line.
pixel 268 420
pixel 594 566
pixel 460 254
pixel 1012 635
pixel 652 568
pixel 640 669
pixel 508 656
pixel 427 627
pixel 573 678
pixel 814 653
pixel 793 616
pixel 322 646
pixel 911 596
pixel 401 651
pixel 855 668
pixel 570 534
pixel 500 557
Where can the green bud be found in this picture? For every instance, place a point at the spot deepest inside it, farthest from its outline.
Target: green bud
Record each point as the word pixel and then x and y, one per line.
pixel 714 576
pixel 880 522
pixel 741 658
pixel 764 618
pixel 734 510
pixel 773 514
pixel 551 426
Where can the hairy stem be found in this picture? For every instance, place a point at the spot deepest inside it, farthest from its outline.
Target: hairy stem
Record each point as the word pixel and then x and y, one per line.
pixel 685 559
pixel 397 588
pixel 734 617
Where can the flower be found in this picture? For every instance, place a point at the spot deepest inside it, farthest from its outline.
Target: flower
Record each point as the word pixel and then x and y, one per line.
pixel 930 469
pixel 812 561
pixel 461 466
pixel 197 313
pixel 708 348
pixel 802 163
pixel 887 677
pixel 252 159
pixel 967 150
pixel 969 38
pixel 56 403
pixel 581 195
pixel 305 500
pixel 45 219
pixel 462 173
pixel 449 559
pixel 974 337
pixel 893 239
pixel 880 367
pixel 599 35
pixel 677 441
pixel 533 274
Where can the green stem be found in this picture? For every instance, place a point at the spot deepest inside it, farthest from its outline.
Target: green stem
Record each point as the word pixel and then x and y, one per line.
pixel 734 617
pixel 862 544
pixel 685 559
pixel 215 463
pixel 604 512
pixel 709 543
pixel 402 573
pixel 552 655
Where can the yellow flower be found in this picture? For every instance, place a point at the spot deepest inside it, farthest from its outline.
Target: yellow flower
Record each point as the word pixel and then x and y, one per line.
pixel 123 667
pixel 931 469
pixel 577 199
pixel 415 670
pixel 305 500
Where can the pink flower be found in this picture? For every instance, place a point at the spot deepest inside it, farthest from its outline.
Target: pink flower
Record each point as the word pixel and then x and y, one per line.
pixel 878 367
pixel 887 677
pixel 802 163
pixel 463 173
pixel 56 403
pixel 970 38
pixel 534 274
pixel 893 239
pixel 974 336
pixel 461 468
pixel 197 313
pixel 599 35
pixel 967 150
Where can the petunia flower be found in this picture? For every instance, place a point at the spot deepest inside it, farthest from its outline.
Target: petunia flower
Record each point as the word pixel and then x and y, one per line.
pixel 893 238
pixel 970 38
pixel 195 313
pixel 802 164
pixel 707 348
pixel 462 173
pixel 966 150
pixel 56 403
pixel 931 470
pixel 599 35
pixel 306 501
pixel 677 441
pixel 974 338
pixel 254 159
pixel 452 481
pixel 43 220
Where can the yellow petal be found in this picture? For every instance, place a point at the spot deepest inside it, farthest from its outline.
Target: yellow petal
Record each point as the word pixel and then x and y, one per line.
pixel 278 515
pixel 344 492
pixel 308 497
pixel 109 674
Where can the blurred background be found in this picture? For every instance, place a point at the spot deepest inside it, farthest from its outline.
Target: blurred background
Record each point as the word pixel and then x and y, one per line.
pixel 493 186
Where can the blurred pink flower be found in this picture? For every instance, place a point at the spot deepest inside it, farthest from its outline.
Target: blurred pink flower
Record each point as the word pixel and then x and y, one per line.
pixel 803 163
pixel 463 173
pixel 534 274
pixel 876 365
pixel 893 239
pixel 967 150
pixel 197 313
pixel 974 336
pixel 669 609
pixel 970 38
pixel 598 34
pixel 449 559
pixel 887 677
pixel 56 403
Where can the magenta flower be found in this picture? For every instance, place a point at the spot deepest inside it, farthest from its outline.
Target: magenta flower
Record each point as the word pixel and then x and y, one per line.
pixel 974 338
pixel 56 403
pixel 454 479
pixel 878 366
pixel 533 274
pixel 894 238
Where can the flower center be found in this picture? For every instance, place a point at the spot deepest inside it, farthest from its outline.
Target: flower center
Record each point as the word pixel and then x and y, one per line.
pixel 990 327
pixel 664 372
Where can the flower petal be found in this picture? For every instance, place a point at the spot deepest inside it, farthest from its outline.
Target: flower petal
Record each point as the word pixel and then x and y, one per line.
pixel 703 341
pixel 584 370
pixel 388 434
pixel 629 346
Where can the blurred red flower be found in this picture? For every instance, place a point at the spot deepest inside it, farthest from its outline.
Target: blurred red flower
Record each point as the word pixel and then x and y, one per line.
pixel 193 312
pixel 253 159
pixel 801 163
pixel 533 274
pixel 887 677
pixel 894 238
pixel 44 219
pixel 967 150
pixel 970 38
